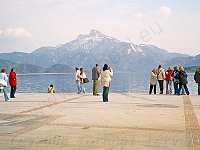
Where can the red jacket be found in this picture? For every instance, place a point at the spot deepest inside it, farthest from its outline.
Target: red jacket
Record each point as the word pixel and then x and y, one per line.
pixel 12 78
pixel 168 74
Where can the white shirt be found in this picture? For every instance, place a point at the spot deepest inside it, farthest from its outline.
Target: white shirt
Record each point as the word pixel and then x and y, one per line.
pixel 77 74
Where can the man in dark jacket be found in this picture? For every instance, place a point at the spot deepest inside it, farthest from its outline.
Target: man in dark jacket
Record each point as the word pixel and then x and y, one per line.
pixel 197 79
pixel 95 77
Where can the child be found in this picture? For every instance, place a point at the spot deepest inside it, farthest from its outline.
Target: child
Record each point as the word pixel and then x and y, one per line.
pixel 51 89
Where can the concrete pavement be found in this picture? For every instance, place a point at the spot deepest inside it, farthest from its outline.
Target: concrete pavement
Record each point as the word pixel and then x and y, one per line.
pixel 72 121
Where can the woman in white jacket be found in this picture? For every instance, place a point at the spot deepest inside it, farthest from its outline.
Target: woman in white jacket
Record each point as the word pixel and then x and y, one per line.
pixel 4 77
pixel 82 76
pixel 105 81
pixel 153 81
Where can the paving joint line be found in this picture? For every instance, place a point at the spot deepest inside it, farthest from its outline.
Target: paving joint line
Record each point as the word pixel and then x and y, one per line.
pixel 191 124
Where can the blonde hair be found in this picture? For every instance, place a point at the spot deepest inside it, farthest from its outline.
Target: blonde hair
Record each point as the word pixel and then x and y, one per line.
pixel 3 70
pixel 170 68
pixel 181 68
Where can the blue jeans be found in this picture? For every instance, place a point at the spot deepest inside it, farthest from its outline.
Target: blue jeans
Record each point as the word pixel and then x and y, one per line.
pixel 185 87
pixel 168 84
pixel 82 88
pixel 105 94
pixel 199 88
pixel 175 88
pixel 78 86
pixel 5 94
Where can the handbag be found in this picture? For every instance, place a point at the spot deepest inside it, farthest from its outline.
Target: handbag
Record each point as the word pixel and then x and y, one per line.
pixel 85 80
pixel 3 82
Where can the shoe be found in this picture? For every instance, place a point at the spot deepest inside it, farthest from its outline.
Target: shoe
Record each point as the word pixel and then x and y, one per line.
pixel 7 100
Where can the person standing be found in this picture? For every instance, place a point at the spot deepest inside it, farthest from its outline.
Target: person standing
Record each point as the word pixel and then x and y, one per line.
pixel 105 81
pixel 153 81
pixel 95 77
pixel 197 79
pixel 161 77
pixel 82 77
pixel 182 76
pixel 3 76
pixel 168 80
pixel 175 80
pixel 13 83
pixel 77 79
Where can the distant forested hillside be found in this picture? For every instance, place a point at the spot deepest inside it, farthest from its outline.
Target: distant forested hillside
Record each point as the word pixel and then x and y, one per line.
pixel 23 68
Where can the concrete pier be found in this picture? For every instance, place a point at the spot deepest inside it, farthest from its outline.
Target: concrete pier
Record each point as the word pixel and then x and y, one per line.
pixel 69 121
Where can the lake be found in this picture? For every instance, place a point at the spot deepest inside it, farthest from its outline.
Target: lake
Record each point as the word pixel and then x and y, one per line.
pixel 64 83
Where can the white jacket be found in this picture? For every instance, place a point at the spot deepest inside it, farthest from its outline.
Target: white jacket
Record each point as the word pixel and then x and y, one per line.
pixel 105 75
pixel 161 74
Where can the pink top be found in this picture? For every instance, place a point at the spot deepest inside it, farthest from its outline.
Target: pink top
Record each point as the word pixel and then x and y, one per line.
pixel 105 83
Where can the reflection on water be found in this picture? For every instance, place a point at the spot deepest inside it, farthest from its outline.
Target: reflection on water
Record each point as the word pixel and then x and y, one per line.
pixel 121 82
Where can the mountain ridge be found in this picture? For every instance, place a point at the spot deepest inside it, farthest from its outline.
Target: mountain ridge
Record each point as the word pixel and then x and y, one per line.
pixel 96 47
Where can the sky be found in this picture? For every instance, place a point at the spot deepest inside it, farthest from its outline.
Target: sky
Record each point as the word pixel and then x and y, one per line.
pixel 27 25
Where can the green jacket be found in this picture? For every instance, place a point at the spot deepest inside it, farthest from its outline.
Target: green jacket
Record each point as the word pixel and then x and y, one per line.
pixel 197 76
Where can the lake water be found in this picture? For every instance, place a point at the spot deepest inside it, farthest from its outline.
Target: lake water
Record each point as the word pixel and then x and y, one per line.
pixel 64 83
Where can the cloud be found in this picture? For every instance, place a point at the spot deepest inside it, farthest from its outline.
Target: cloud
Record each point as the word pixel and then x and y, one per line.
pixel 163 11
pixel 139 16
pixel 1 32
pixel 17 32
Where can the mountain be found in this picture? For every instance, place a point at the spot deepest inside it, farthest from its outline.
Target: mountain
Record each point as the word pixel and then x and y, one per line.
pixel 87 50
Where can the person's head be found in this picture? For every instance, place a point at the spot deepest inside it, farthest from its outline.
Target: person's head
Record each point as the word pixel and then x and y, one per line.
pixel 3 70
pixel 154 70
pixel 175 68
pixel 76 68
pixel 96 65
pixel 170 68
pixel 81 69
pixel 159 66
pixel 12 69
pixel 181 68
pixel 51 85
pixel 105 67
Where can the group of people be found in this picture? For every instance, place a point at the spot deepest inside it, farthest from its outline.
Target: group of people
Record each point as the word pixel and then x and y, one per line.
pixel 176 77
pixel 12 81
pixel 99 78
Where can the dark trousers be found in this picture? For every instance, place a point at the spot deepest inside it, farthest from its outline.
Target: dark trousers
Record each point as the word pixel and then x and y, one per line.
pixel 161 86
pixel 185 87
pixel 12 91
pixel 105 94
pixel 175 87
pixel 151 88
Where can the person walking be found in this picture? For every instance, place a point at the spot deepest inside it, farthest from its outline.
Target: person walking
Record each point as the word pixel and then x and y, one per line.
pixel 168 80
pixel 95 77
pixel 13 83
pixel 175 80
pixel 153 81
pixel 77 79
pixel 4 77
pixel 82 77
pixel 105 81
pixel 161 77
pixel 182 76
pixel 197 79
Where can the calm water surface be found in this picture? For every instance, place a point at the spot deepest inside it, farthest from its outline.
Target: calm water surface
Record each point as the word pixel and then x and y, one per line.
pixel 121 82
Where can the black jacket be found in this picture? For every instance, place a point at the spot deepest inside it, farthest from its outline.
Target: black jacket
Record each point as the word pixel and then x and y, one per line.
pixel 182 76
